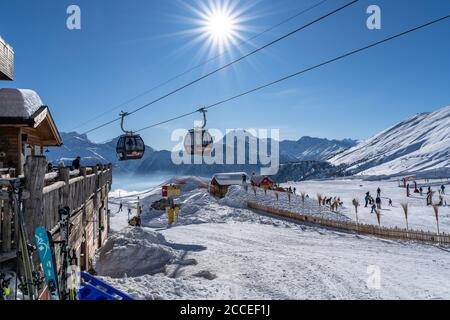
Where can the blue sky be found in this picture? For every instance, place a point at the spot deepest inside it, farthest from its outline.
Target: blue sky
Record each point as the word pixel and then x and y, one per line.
pixel 126 47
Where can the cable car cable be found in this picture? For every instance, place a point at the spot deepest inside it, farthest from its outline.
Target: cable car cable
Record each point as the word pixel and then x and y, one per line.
pixel 228 64
pixel 303 71
pixel 243 42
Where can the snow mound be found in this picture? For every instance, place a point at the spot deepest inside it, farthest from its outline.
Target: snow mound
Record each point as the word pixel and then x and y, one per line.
pixel 188 183
pixel 134 252
pixel 19 103
pixel 195 201
pixel 236 197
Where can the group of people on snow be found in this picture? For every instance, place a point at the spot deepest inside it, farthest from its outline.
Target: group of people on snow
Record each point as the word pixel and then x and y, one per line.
pixel 429 195
pixel 375 204
pixel 441 192
pixel 333 202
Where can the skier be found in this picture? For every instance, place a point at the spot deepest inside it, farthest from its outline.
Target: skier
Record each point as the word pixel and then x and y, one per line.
pixel 443 189
pixel 374 208
pixel 390 203
pixel 76 163
pixel 129 213
pixel 429 197
pixel 120 206
pixel 366 199
pixel 295 190
pixel 378 192
pixel 378 202
pixel 421 191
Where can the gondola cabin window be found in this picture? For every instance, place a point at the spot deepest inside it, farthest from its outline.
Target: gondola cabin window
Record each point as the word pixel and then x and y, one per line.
pixel 130 147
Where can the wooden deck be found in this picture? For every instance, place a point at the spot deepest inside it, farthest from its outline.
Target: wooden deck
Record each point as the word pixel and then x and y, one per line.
pixel 84 191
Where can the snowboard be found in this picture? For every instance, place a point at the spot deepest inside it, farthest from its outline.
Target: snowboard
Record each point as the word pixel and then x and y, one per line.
pixel 47 257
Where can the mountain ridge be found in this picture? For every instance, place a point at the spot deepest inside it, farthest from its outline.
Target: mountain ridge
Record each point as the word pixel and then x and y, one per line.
pixel 417 144
pixel 305 149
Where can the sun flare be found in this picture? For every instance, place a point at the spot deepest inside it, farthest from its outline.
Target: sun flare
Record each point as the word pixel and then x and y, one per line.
pixel 219 23
pixel 221 26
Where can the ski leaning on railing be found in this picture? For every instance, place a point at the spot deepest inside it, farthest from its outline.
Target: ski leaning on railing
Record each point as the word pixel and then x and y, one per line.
pixel 67 292
pixel 29 279
pixel 57 282
pixel 46 250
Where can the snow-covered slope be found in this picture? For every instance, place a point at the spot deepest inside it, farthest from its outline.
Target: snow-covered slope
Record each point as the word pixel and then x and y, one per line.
pixel 221 250
pixel 317 149
pixel 418 144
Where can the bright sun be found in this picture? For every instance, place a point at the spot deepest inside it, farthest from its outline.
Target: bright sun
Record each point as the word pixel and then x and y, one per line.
pixel 219 23
pixel 221 26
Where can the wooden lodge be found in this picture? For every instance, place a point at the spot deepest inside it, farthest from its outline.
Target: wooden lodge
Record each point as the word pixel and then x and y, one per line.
pixel 6 61
pixel 26 128
pixel 222 181
pixel 264 182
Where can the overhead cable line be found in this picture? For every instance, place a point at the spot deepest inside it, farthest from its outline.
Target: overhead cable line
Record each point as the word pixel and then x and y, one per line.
pixel 227 65
pixel 303 11
pixel 302 71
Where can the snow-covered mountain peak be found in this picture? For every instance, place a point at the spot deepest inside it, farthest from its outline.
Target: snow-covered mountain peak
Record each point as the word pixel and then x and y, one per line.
pixel 419 143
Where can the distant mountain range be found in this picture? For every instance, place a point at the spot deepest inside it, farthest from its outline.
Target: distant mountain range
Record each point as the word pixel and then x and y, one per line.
pixel 313 149
pixel 306 149
pixel 419 144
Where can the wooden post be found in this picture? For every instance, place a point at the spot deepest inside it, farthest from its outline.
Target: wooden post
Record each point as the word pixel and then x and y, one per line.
pixel 95 171
pixel 64 175
pixel 34 171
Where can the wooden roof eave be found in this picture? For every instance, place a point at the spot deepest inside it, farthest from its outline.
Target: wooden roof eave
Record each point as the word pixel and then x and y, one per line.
pixel 44 114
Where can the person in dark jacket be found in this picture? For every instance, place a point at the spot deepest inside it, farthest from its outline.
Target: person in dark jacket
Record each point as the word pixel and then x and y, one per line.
pixel 76 163
pixel 366 199
pixel 378 202
pixel 374 208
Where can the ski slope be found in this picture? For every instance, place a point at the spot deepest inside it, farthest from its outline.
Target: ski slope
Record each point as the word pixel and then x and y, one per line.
pixel 421 143
pixel 220 250
pixel 420 216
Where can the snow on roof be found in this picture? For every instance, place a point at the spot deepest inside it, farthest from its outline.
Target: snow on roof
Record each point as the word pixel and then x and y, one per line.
pixel 228 179
pixel 19 103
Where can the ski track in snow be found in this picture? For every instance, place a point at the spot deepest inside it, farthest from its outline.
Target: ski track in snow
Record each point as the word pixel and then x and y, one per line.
pixel 254 256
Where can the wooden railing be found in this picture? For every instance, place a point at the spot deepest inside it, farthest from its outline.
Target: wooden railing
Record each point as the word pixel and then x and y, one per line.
pixel 48 193
pixel 367 229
